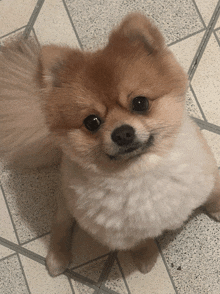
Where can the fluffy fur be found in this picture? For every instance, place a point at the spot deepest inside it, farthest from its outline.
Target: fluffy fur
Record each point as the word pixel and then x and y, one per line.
pixel 123 195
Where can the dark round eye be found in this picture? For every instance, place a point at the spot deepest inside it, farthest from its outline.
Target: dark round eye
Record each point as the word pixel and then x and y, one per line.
pixel 140 104
pixel 92 122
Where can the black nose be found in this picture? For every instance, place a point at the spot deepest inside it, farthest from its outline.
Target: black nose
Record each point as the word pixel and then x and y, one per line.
pixel 123 136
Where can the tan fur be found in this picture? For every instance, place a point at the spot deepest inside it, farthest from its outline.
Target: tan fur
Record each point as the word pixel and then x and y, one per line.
pixel 117 196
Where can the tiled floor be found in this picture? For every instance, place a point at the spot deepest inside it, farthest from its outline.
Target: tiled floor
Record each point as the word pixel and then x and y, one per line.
pixel 190 258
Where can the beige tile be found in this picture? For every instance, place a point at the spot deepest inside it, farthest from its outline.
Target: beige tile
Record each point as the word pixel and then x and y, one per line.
pixel 4 251
pixel 53 25
pixel 206 82
pixel 15 14
pixel 186 50
pixel 214 142
pixel 39 280
pixel 206 9
pixel 115 280
pixel 81 288
pixel 191 105
pixel 39 246
pixel 85 248
pixel 6 228
pixel 155 282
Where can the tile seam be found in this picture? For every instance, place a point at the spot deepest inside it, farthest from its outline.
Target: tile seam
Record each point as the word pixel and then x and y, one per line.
pixel 207 126
pixel 197 102
pixel 23 273
pixel 73 26
pixel 10 215
pixel 33 18
pixel 186 37
pixel 123 276
pixel 198 11
pixel 204 42
pixel 38 258
pixel 107 268
pixel 12 32
pixel 166 266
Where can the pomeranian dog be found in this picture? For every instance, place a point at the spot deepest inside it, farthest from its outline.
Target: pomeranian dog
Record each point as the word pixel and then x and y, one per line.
pixel 133 163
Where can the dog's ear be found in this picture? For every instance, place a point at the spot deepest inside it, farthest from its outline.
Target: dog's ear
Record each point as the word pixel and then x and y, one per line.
pixel 136 28
pixel 51 61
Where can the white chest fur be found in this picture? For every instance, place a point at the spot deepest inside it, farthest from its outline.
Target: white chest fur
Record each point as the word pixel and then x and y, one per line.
pixel 153 195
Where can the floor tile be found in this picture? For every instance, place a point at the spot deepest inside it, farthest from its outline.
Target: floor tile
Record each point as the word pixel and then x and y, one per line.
pixel 192 256
pixel 214 142
pixel 206 9
pixel 81 288
pixel 94 19
pixel 53 25
pixel 12 279
pixel 185 50
pixel 206 82
pixel 191 105
pixel 115 280
pixel 39 246
pixel 15 14
pixel 85 248
pixel 155 282
pixel 30 198
pixel 6 227
pixel 92 270
pixel 39 280
pixel 4 251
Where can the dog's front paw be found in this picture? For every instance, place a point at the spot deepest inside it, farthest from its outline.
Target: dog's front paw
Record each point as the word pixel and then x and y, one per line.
pixel 57 262
pixel 144 263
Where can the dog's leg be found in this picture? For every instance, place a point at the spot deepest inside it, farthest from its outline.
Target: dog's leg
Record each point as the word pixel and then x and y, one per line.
pixel 145 255
pixel 59 255
pixel 213 204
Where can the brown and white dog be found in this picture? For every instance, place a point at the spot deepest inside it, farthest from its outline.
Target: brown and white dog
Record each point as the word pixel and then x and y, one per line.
pixel 133 163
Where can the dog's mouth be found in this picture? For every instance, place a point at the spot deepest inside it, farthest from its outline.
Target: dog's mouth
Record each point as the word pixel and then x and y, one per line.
pixel 133 150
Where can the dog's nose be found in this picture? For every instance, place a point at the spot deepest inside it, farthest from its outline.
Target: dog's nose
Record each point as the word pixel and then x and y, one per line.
pixel 123 136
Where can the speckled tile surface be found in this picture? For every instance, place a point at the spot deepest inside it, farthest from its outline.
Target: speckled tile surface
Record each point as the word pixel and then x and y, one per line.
pixel 190 257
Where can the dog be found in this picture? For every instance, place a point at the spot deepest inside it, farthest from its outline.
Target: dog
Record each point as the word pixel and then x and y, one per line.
pixel 133 163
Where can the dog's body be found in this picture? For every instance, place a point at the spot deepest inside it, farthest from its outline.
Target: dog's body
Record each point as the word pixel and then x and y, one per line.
pixel 134 164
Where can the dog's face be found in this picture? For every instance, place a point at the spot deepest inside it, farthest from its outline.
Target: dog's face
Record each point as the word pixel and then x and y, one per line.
pixel 114 105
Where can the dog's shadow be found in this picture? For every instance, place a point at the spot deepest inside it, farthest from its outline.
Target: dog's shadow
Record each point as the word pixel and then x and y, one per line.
pixel 31 198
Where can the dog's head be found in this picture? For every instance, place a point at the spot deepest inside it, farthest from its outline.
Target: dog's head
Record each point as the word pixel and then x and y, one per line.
pixel 111 106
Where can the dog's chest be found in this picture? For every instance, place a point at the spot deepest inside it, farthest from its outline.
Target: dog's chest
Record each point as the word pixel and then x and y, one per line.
pixel 139 206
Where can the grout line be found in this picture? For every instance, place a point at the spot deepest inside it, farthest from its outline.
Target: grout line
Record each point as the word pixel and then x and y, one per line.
pixel 10 215
pixel 185 38
pixel 197 102
pixel 8 256
pixel 123 276
pixel 12 32
pixel 22 269
pixel 204 42
pixel 198 11
pixel 166 266
pixel 34 239
pixel 107 268
pixel 71 21
pixel 71 286
pixel 21 250
pixel 90 261
pixel 38 258
pixel 207 126
pixel 216 37
pixel 33 18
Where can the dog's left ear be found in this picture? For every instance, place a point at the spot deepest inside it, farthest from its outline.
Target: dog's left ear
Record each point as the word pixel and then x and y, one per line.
pixel 136 28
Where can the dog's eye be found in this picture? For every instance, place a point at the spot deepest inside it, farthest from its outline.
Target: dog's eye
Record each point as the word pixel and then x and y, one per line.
pixel 140 104
pixel 92 122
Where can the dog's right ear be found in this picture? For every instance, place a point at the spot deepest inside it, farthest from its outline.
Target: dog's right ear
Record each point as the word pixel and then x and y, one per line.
pixel 51 61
